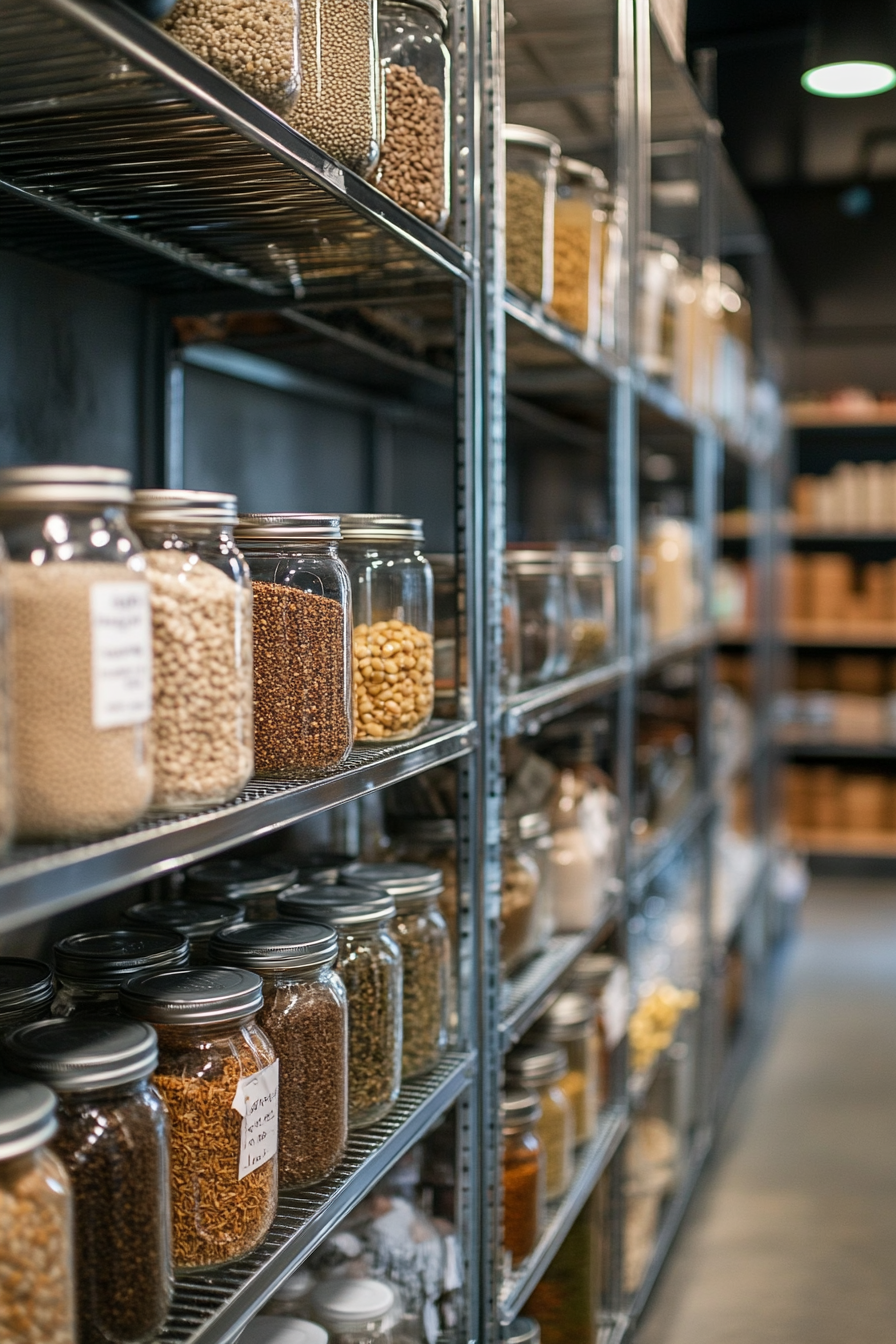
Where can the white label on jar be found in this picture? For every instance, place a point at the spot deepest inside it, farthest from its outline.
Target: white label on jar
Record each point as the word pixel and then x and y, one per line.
pixel 615 1006
pixel 257 1100
pixel 121 647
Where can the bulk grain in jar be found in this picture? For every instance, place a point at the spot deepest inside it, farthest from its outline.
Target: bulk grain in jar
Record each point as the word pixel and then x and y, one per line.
pixel 202 647
pixel 338 106
pixel 532 160
pixel 92 967
pixel 523 1173
pixel 113 1142
pixel 592 608
pixel 580 221
pixel 542 1067
pixel 571 1022
pixel 26 992
pixel 217 1073
pixel 197 921
pixel 255 43
pixel 414 163
pixel 80 652
pixel 251 885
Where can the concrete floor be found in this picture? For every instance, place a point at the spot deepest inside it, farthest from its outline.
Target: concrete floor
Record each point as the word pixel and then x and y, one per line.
pixel 792 1235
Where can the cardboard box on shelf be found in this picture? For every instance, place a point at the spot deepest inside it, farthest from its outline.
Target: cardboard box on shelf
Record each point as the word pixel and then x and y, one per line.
pixel 859 673
pixel 830 585
pixel 825 807
pixel 865 802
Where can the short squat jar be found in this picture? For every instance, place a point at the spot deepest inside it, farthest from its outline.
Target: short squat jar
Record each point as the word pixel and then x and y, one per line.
pixel 26 992
pixel 113 1141
pixel 420 931
pixel 532 160
pixel 81 652
pixel 572 1023
pixel 338 106
pixel 251 885
pixel 302 641
pixel 92 967
pixel 371 970
pixel 414 166
pixel 223 1158
pixel 197 921
pixel 37 1303
pixel 542 1067
pixel 523 1173
pixel 393 685
pixel 202 647
pixel 255 43
pixel 305 1017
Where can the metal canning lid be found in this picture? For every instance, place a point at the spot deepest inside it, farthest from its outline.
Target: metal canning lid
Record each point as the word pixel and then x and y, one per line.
pixel 571 1015
pixel 288 526
pixel 27 1117
pixel 83 1054
pixel 590 562
pixel 523 1330
pixel 531 135
pixel 194 996
pixel 534 825
pixel 402 881
pixel 342 906
pixel 586 171
pixel 345 1301
pixel 535 1065
pixel 282 1330
pixel 24 984
pixel 535 562
pixel 192 919
pixel 276 945
pixel 520 1108
pixel 231 879
pixel 61 484
pixel 381 526
pixel 106 960
pixel 428 830
pixel 592 971
pixel 202 506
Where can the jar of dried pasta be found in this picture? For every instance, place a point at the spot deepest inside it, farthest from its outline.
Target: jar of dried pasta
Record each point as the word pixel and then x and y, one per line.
pixel 532 160
pixel 92 967
pixel 255 43
pixel 414 163
pixel 338 106
pixel 26 992
pixel 580 222
pixel 217 1073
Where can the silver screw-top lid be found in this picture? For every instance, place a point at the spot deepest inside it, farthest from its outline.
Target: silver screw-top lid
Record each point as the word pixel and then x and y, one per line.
pixel 275 946
pixel 24 986
pixel 534 826
pixel 204 994
pixel 182 506
pixel 232 879
pixel 342 906
pixel 106 959
pixel 522 1330
pixel 82 1054
pixel 592 971
pixel 571 1016
pixel 374 527
pixel 253 527
pixel 27 1117
pixel 62 483
pixel 520 1107
pixel 191 919
pixel 538 1064
pixel 402 881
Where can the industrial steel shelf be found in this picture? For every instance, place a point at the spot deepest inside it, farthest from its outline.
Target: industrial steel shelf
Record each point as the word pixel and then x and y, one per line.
pixel 528 711
pixel 681 645
pixel 212 1308
pixel 38 881
pixel 587 351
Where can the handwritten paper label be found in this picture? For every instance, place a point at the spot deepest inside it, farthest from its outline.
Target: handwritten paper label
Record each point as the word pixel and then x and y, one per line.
pixel 257 1100
pixel 121 654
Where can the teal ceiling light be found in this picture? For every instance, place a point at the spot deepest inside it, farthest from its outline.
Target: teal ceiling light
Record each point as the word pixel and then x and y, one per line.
pixel 852 53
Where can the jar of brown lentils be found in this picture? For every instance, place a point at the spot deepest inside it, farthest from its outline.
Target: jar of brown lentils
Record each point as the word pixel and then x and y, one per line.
pixel 255 43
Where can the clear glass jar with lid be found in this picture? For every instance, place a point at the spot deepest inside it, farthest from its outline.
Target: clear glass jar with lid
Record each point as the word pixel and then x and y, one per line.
pixel 202 647
pixel 536 839
pixel 532 160
pixel 572 1022
pixel 421 933
pixel 603 979
pixel 370 966
pixel 302 611
pixel 522 1330
pixel 393 688
pixel 541 1067
pixel 217 1073
pixel 592 608
pixel 305 1017
pixel 80 653
pixel 26 992
pixel 656 306
pixel 539 576
pixel 338 106
pixel 197 921
pixel 255 45
pixel 520 879
pixel 253 885
pixel 580 222
pixel 263 1330
pixel 357 1311
pixel 92 967
pixel 523 1173
pixel 113 1141
pixel 414 167
pixel 37 1304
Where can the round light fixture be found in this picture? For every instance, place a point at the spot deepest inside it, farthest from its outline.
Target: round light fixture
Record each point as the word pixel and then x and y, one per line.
pixel 849 79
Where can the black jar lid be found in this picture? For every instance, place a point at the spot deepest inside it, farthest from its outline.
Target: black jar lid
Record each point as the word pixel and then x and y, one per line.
pixel 522 1330
pixel 536 1065
pixel 232 879
pixel 520 1108
pixel 191 919
pixel 27 1117
pixel 193 996
pixel 24 986
pixel 404 882
pixel 106 959
pixel 82 1053
pixel 275 946
pixel 342 906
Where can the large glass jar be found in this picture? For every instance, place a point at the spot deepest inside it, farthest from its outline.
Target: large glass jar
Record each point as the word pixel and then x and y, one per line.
pixel 255 43
pixel 253 885
pixel 670 588
pixel 519 892
pixel 532 159
pixel 217 1073
pixel 305 1016
pixel 80 652
pixel 656 307
pixel 580 219
pixel 393 686
pixel 302 639
pixel 592 608
pixel 370 966
pixel 534 829
pixel 338 103
pixel 523 1173
pixel 197 921
pixel 586 835
pixel 511 635
pixel 357 1311
pixel 202 647
pixel 567 1297
pixel 414 166
pixel 541 1067
pixel 540 580
pixel 113 1142
pixel 26 992
pixel 603 979
pixel 445 600
pixel 572 1023
pixel 420 931
pixel 36 1271
pixel 92 967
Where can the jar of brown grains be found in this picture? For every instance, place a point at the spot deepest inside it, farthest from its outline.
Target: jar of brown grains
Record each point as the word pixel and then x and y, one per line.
pixel 393 687
pixel 255 43
pixel 532 159
pixel 302 641
pixel 26 992
pixel 197 921
pixel 217 1073
pixel 92 967
pixel 338 106
pixel 305 1015
pixel 252 885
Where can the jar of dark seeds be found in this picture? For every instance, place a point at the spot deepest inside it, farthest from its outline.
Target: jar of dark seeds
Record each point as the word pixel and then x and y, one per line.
pixel 302 641
pixel 113 1142
pixel 420 930
pixel 253 42
pixel 197 921
pixel 253 885
pixel 217 1073
pixel 26 992
pixel 532 160
pixel 370 966
pixel 92 967
pixel 305 1015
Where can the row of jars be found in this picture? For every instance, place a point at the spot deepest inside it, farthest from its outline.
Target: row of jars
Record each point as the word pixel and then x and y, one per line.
pixel 160 648
pixel 559 613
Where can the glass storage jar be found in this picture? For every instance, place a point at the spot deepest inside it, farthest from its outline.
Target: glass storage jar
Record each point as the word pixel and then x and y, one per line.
pixel 522 1330
pixel 670 587
pixel 532 160
pixel 420 930
pixel 356 1311
pixel 254 43
pixel 585 818
pixel 196 921
pixel 36 1270
pixel 572 1022
pixel 580 221
pixel 305 1017
pixel 338 106
pixel 566 1300
pixel 534 829
pixel 81 652
pixel 541 1067
pixel 656 307
pixel 592 608
pixel 445 599
pixel 603 979
pixel 92 967
pixel 252 884
pixel 113 1141
pixel 370 966
pixel 26 992
pixel 302 638
pixel 393 685
pixel 511 635
pixel 519 891
pixel 523 1173
pixel 414 167
pixel 541 587
pixel 202 647
pixel 217 1073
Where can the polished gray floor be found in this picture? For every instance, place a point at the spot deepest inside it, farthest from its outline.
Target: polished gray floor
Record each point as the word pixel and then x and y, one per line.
pixel 792 1237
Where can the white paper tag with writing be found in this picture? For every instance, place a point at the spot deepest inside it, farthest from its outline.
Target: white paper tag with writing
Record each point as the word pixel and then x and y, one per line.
pixel 121 649
pixel 615 1006
pixel 258 1101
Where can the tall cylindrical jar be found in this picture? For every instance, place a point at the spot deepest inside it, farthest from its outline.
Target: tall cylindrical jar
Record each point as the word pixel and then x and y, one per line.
pixel 520 881
pixel 37 1303
pixel 338 106
pixel 572 1023
pixel 580 221
pixel 393 686
pixel 414 166
pixel 255 43
pixel 26 992
pixel 523 1173
pixel 80 652
pixel 92 967
pixel 302 613
pixel 252 885
pixel 217 1073
pixel 305 1016
pixel 202 647
pixel 113 1141
pixel 532 160
pixel 542 1067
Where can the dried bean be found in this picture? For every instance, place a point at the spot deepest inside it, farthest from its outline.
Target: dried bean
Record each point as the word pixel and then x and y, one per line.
pixel 393 688
pixel 412 164
pixel 36 1303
